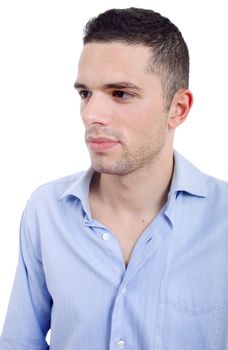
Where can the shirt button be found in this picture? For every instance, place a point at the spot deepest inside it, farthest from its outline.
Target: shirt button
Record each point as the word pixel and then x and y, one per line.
pixel 121 344
pixel 123 290
pixel 105 236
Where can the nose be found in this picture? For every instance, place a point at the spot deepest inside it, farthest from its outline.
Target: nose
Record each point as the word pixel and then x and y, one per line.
pixel 96 110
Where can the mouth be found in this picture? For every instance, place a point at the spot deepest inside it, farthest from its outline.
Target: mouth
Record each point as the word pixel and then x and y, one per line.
pixel 100 144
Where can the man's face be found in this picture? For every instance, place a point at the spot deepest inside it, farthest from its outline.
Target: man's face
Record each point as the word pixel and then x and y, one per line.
pixel 122 107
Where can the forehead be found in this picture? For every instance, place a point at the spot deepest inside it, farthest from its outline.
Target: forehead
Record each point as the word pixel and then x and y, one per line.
pixel 113 61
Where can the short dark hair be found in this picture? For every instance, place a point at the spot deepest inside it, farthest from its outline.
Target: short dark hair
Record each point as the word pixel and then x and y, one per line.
pixel 136 26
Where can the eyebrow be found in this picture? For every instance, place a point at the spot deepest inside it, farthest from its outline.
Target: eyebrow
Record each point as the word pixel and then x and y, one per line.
pixel 117 85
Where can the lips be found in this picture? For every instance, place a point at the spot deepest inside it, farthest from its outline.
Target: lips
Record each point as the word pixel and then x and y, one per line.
pixel 100 144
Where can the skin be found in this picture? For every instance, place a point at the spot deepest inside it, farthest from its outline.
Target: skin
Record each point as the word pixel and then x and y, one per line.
pixel 123 102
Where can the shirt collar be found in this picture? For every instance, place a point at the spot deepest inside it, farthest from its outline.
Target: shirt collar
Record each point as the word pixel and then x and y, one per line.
pixel 186 178
pixel 80 189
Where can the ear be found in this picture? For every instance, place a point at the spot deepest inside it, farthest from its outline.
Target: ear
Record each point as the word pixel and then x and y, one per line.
pixel 180 107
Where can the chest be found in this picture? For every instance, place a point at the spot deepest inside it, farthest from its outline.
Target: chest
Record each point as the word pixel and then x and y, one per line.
pixel 100 298
pixel 127 229
pixel 126 233
pixel 127 238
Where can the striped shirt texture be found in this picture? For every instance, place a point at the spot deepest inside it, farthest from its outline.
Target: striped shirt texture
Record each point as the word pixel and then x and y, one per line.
pixel 71 277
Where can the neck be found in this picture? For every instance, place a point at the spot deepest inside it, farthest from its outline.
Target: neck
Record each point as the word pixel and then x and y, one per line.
pixel 141 191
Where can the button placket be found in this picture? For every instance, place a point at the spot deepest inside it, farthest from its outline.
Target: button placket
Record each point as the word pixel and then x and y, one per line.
pixel 105 236
pixel 121 344
pixel 123 290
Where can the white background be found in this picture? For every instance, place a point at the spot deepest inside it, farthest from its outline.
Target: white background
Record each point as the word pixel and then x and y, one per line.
pixel 41 135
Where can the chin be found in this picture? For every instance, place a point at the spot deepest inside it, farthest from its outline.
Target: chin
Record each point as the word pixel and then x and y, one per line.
pixel 118 168
pixel 103 169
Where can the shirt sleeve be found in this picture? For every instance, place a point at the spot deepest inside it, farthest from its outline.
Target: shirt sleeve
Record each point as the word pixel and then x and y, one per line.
pixel 28 317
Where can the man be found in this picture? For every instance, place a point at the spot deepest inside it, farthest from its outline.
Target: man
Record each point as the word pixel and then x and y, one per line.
pixel 131 254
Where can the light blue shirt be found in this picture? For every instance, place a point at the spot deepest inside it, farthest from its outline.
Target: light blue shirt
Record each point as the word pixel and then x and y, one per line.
pixel 71 275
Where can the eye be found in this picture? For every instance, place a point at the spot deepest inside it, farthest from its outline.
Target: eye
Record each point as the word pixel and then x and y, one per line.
pixel 121 95
pixel 84 94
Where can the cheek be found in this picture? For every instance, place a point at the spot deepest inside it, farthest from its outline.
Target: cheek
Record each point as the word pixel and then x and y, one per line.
pixel 141 120
pixel 147 129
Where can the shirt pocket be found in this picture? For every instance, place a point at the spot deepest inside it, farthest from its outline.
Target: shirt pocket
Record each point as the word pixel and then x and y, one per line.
pixel 192 318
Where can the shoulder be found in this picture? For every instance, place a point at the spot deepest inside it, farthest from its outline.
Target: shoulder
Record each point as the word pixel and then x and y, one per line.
pixel 217 188
pixel 216 199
